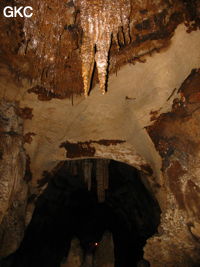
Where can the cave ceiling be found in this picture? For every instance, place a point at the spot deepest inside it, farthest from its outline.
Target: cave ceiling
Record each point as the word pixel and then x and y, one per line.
pixel 56 49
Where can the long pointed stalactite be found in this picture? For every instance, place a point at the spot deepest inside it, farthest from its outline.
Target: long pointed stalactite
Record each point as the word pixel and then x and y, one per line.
pixel 100 20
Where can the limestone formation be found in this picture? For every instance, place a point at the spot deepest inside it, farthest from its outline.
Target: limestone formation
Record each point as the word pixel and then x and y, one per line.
pixel 148 59
pixel 13 189
pixel 100 21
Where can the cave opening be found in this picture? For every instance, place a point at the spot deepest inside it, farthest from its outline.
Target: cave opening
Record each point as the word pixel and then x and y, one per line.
pixel 98 208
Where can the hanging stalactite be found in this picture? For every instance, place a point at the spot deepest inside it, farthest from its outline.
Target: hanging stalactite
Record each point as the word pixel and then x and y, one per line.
pixel 106 174
pixel 100 20
pixel 102 177
pixel 85 169
pixel 87 172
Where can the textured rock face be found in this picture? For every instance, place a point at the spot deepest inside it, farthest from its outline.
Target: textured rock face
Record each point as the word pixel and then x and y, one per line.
pixel 178 143
pixel 48 48
pixel 149 118
pixel 75 256
pixel 100 20
pixel 13 190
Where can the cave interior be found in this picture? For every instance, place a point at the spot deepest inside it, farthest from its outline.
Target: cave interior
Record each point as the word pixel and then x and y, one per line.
pixel 100 134
pixel 76 205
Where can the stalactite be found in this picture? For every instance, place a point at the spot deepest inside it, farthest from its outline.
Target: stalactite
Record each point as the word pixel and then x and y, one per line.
pixel 74 168
pixel 106 174
pixel 84 168
pixel 87 172
pixel 100 20
pixel 100 180
pixel 102 177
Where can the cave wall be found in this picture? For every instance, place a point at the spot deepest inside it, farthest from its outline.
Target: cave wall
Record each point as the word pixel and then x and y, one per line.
pixel 14 189
pixel 176 137
pixel 148 118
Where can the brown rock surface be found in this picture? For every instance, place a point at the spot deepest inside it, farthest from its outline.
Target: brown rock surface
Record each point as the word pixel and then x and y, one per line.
pixel 149 118
pixel 13 189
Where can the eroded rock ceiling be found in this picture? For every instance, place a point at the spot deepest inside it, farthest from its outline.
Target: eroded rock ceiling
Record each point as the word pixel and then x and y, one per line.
pixel 50 47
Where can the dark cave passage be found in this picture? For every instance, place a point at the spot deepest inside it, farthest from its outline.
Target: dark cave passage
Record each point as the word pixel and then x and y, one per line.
pixel 67 209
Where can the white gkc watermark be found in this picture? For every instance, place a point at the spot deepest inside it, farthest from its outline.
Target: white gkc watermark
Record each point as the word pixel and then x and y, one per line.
pixel 13 12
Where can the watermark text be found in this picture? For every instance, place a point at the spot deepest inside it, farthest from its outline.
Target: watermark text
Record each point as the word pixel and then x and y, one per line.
pixel 13 12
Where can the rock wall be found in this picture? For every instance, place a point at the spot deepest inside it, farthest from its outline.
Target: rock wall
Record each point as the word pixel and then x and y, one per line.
pixel 176 137
pixel 13 189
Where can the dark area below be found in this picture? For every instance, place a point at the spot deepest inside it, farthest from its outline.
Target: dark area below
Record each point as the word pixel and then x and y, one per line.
pixel 67 209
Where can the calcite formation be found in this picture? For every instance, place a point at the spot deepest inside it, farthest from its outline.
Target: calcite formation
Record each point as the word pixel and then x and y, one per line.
pixel 87 167
pixel 47 49
pixel 13 188
pixel 102 177
pixel 101 21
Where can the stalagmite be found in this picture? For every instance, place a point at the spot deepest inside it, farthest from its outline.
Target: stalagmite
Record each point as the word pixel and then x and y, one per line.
pixel 100 20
